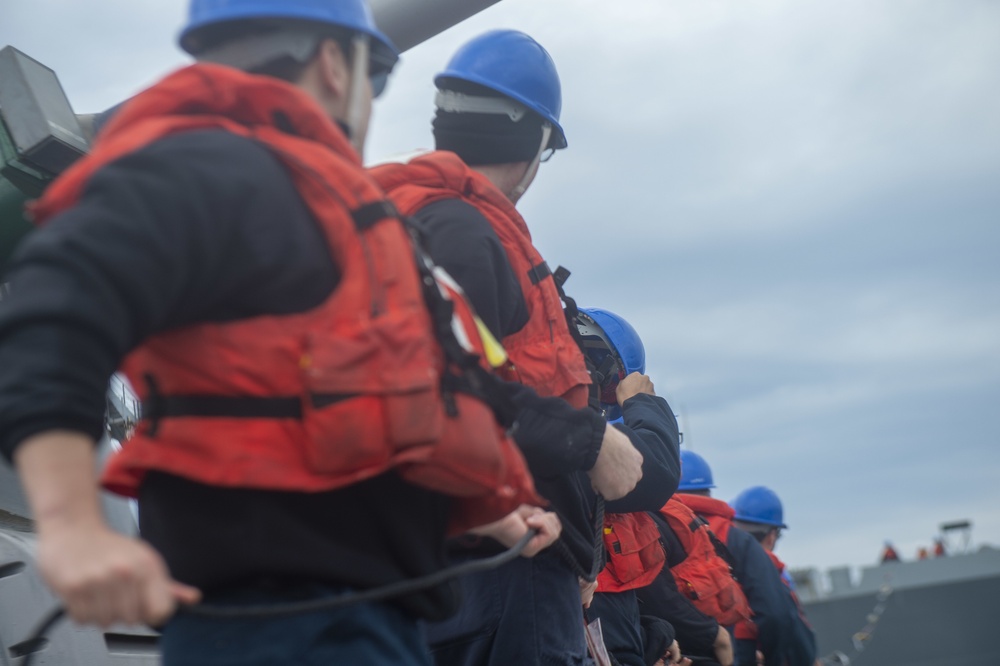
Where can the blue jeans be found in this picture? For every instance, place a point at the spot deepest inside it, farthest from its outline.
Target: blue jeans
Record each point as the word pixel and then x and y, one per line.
pixel 358 635
pixel 525 613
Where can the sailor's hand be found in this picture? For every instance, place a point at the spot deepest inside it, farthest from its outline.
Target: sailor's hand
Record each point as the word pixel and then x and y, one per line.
pixel 618 467
pixel 509 529
pixel 587 591
pixel 673 656
pixel 103 577
pixel 633 385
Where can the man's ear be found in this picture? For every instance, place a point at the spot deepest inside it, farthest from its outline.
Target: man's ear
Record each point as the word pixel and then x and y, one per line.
pixel 334 73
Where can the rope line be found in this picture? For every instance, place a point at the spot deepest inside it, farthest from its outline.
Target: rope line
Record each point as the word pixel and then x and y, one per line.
pixel 36 642
pixel 861 638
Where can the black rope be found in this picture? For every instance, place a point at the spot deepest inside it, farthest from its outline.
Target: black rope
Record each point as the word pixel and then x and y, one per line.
pixel 398 589
pixel 597 559
pixel 36 641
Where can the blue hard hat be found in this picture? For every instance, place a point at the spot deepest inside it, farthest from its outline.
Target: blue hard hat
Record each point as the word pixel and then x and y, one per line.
pixel 620 336
pixel 759 504
pixel 354 15
pixel 614 350
pixel 695 472
pixel 515 65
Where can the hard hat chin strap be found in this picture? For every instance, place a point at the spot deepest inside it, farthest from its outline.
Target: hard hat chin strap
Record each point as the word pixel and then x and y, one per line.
pixel 356 104
pixel 529 174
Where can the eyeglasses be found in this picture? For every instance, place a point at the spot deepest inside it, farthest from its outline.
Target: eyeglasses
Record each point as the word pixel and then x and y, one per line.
pixel 379 68
pixel 546 153
pixel 379 79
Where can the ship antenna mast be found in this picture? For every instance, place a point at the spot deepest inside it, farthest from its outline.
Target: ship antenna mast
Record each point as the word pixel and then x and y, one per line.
pixel 962 529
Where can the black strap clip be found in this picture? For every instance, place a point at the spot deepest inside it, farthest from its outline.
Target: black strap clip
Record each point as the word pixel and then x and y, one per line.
pixel 560 276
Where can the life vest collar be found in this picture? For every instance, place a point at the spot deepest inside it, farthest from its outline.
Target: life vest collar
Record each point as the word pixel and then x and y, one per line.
pixel 445 170
pixel 197 96
pixel 707 506
pixel 248 99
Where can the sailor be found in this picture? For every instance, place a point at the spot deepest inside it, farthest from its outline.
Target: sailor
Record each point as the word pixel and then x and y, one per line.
pixel 698 628
pixel 497 119
pixel 633 550
pixel 308 399
pixel 759 512
pixel 781 635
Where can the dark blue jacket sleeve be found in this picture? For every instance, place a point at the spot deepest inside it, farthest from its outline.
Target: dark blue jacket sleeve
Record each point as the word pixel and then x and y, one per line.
pixel 555 437
pixel 781 634
pixel 462 242
pixel 652 428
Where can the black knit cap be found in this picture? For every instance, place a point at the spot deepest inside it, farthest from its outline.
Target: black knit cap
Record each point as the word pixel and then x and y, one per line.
pixel 486 138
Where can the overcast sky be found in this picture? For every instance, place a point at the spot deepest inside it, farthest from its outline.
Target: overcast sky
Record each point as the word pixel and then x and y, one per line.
pixel 795 202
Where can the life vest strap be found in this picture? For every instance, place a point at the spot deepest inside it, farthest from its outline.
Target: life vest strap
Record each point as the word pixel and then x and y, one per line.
pixel 276 407
pixel 366 216
pixel 463 373
pixel 571 312
pixel 720 548
pixel 542 271
pixel 538 273
pixel 722 551
pixel 159 406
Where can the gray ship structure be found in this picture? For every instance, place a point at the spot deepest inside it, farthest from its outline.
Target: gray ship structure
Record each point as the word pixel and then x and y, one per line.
pixel 939 611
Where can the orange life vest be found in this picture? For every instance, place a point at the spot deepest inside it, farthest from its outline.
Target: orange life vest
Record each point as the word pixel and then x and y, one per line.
pixel 543 354
pixel 635 553
pixel 718 514
pixel 322 399
pixel 704 577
